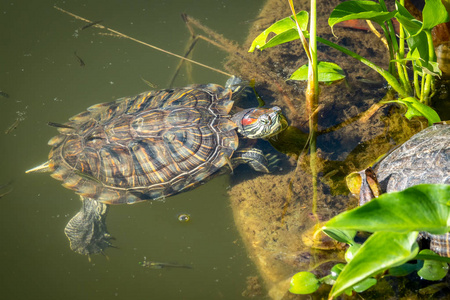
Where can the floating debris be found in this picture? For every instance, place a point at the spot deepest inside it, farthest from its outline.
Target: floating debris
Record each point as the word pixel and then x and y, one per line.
pixel 161 265
pixel 82 64
pixel 91 24
pixel 184 217
pixel 6 193
pixel 13 126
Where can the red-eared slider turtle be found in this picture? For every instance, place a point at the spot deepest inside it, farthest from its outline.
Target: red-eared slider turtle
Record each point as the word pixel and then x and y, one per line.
pixel 150 146
pixel 424 158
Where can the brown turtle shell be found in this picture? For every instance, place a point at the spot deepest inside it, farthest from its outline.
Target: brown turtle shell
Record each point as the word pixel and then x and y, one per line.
pixel 145 147
pixel 424 158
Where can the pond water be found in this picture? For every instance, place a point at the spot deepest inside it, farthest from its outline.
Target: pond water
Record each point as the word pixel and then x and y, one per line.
pixel 45 82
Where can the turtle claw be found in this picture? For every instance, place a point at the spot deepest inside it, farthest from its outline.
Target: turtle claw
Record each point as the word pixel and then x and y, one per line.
pixel 87 231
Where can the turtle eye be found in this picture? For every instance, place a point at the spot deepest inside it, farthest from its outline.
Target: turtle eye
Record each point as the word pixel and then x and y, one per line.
pixel 265 119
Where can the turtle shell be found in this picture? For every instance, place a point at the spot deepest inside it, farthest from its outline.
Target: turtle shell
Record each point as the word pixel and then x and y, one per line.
pixel 424 158
pixel 145 147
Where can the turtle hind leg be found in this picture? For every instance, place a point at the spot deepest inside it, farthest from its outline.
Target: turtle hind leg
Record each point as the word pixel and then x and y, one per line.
pixel 86 231
pixel 256 159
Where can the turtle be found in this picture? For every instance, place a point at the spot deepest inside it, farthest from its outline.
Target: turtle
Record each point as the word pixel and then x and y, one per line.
pixel 424 158
pixel 151 146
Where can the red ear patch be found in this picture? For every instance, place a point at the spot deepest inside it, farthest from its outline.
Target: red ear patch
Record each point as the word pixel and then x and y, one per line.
pixel 248 121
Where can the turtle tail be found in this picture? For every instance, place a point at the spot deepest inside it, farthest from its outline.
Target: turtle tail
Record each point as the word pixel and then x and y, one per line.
pixel 86 231
pixel 45 167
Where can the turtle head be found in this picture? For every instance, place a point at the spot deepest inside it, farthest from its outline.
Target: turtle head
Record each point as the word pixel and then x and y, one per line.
pixel 256 123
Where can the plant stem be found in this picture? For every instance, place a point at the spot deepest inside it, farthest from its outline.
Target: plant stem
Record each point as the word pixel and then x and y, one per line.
pixel 312 95
pixel 401 67
pixel 429 79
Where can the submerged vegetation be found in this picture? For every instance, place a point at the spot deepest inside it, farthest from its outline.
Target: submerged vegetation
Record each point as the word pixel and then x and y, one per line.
pixel 394 218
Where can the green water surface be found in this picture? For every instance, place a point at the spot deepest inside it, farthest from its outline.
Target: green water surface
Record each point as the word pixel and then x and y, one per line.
pixel 45 82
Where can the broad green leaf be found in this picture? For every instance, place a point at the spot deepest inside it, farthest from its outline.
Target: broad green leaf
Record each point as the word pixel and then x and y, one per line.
pixel 328 72
pixel 367 10
pixel 422 256
pixel 283 37
pixel 410 24
pixel 418 109
pixel 405 269
pixel 418 208
pixel 351 252
pixel 364 285
pixel 279 27
pixel 434 13
pixel 432 270
pixel 381 251
pixel 343 236
pixel 418 46
pixel 336 270
pixel 304 283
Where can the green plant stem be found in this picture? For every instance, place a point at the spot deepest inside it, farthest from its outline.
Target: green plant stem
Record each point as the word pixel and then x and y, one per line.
pixel 386 75
pixel 401 67
pixel 416 82
pixel 429 79
pixel 390 48
pixel 389 33
pixel 313 94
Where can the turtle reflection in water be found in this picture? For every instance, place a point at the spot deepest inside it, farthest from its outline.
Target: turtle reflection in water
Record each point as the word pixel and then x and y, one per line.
pixel 424 158
pixel 151 146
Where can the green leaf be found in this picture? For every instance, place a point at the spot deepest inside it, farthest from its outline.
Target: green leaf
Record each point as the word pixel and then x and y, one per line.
pixel 434 13
pixel 409 23
pixel 405 269
pixel 381 251
pixel 351 252
pixel 364 285
pixel 284 37
pixel 342 236
pixel 328 72
pixel 367 10
pixel 336 270
pixel 433 257
pixel 418 208
pixel 278 28
pixel 304 283
pixel 418 46
pixel 432 270
pixel 417 109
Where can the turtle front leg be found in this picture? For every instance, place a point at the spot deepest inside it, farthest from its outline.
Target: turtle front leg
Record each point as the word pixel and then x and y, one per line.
pixel 255 158
pixel 87 231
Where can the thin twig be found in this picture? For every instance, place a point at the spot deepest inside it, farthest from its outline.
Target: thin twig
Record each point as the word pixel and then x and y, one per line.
pixel 141 42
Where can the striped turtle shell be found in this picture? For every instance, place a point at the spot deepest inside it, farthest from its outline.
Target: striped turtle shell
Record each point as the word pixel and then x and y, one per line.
pixel 149 146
